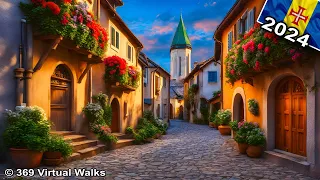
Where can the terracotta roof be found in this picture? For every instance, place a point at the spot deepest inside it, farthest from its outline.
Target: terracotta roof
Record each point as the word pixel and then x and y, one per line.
pixel 181 38
pixel 121 22
pixel 198 67
pixel 231 15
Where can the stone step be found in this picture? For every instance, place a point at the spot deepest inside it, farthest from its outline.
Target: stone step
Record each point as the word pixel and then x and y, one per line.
pixel 63 133
pixel 122 136
pixel 73 157
pixel 83 144
pixel 124 142
pixel 75 138
pixel 92 151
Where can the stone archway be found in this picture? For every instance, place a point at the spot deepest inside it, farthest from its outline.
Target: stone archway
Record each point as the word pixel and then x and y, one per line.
pixel 61 98
pixel 115 123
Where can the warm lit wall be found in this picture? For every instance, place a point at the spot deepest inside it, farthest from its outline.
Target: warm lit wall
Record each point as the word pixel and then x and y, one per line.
pixel 133 99
pixel 250 92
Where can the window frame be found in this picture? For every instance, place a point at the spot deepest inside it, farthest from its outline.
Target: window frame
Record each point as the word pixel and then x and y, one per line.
pixel 115 38
pixel 129 46
pixel 215 73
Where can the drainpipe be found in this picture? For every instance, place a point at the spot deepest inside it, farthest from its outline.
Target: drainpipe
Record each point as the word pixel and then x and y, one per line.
pixel 221 73
pixel 152 88
pixel 19 71
pixel 28 65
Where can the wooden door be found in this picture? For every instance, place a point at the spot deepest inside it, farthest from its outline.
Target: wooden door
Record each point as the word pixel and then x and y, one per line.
pixel 115 123
pixel 171 111
pixel 61 99
pixel 241 110
pixel 291 122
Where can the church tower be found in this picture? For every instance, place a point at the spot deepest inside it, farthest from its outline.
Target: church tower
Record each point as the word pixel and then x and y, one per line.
pixel 180 53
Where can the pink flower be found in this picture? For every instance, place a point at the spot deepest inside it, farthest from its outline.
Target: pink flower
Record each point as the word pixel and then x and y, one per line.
pixel 267 50
pixel 232 72
pixel 245 61
pixel 260 46
pixel 257 66
pixel 292 51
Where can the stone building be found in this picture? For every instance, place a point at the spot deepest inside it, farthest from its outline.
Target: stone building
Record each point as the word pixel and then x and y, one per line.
pixel 206 75
pixel 180 67
pixel 52 73
pixel 287 105
pixel 156 89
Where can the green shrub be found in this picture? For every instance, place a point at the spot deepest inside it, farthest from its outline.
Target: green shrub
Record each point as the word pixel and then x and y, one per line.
pixel 234 125
pixel 244 129
pixel 28 128
pixel 102 100
pixel 253 107
pixel 224 117
pixel 256 137
pixel 129 130
pixel 204 110
pixel 56 143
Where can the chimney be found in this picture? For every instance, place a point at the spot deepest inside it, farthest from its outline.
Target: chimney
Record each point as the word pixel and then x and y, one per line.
pixel 195 64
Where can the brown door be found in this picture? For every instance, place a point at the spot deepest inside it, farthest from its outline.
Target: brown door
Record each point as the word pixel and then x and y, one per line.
pixel 241 110
pixel 115 123
pixel 171 111
pixel 291 123
pixel 61 99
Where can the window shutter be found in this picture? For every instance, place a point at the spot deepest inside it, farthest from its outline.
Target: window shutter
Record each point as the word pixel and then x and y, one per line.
pixel 230 40
pixel 251 18
pixel 239 27
pixel 215 78
pixel 212 76
pixel 117 39
pixel 113 42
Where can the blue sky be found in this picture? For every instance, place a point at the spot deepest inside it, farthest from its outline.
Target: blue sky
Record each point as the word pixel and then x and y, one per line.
pixel 154 23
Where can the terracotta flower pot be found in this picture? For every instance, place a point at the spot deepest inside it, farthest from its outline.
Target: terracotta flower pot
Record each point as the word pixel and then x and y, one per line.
pixel 52 162
pixel 25 158
pixel 224 130
pixel 254 151
pixel 111 145
pixel 243 148
pixel 52 155
pixel 157 136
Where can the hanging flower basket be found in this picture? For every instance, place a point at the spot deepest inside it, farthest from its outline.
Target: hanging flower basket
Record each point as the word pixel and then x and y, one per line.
pixel 69 19
pixel 118 73
pixel 258 51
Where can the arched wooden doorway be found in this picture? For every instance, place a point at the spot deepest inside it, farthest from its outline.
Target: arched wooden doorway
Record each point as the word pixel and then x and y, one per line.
pixel 290 120
pixel 171 111
pixel 238 108
pixel 61 84
pixel 181 112
pixel 115 123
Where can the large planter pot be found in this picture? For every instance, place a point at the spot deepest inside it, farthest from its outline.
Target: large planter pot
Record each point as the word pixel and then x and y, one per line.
pixel 224 130
pixel 254 151
pixel 25 158
pixel 52 158
pixel 243 148
pixel 111 145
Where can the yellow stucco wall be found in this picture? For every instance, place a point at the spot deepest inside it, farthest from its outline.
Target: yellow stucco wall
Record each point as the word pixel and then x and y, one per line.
pixel 250 92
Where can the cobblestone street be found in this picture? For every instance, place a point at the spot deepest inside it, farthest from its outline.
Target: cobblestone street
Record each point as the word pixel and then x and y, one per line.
pixel 188 152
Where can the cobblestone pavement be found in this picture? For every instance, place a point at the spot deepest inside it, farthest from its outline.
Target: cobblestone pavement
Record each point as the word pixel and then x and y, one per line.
pixel 188 152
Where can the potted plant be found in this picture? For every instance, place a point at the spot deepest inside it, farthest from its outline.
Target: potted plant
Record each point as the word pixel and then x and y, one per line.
pixel 244 128
pixel 57 149
pixel 224 118
pixel 212 120
pixel 129 132
pixel 26 136
pixel 234 127
pixel 256 141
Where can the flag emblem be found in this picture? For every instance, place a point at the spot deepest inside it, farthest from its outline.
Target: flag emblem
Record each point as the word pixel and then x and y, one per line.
pixel 303 15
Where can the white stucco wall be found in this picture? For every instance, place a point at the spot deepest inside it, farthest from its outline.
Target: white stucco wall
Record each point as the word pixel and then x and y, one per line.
pixel 207 89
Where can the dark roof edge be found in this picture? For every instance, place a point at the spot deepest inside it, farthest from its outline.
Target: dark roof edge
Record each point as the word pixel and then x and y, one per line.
pixel 198 68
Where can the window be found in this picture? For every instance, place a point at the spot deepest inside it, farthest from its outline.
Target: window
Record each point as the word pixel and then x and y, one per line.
pixel 158 111
pixel 145 77
pixel 230 40
pixel 130 53
pixel 212 77
pixel 246 22
pixel 188 64
pixel 179 66
pixel 115 38
pixel 125 108
pixel 235 33
pixel 164 81
pixel 251 18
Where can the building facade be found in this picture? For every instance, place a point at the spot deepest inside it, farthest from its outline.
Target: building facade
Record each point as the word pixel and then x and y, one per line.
pixel 206 75
pixel 287 105
pixel 180 53
pixel 156 89
pixel 61 78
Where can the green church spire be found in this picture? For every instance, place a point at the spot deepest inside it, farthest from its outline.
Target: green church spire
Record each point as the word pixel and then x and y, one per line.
pixel 181 39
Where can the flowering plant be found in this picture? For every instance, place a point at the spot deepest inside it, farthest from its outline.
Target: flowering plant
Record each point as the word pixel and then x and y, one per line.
pixel 216 94
pixel 257 48
pixel 68 19
pixel 244 128
pixel 224 117
pixel 256 137
pixel 253 107
pixel 117 70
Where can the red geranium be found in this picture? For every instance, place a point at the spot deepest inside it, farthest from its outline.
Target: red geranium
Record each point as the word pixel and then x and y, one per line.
pixel 116 63
pixel 232 72
pixel 245 61
pixel 55 9
pixel 267 50
pixel 260 46
pixel 80 18
pixel 257 66
pixel 64 20
pixel 67 1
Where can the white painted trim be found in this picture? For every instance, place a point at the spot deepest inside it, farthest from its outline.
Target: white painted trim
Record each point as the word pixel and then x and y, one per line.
pixel 239 90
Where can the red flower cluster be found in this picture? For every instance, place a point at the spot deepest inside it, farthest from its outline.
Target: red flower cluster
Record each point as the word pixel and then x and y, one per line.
pixel 237 42
pixel 245 61
pixel 55 9
pixel 98 32
pixel 268 35
pixel 267 50
pixel 257 66
pixel 232 71
pixel 67 1
pixel 260 46
pixel 65 18
pixel 249 33
pixel 106 129
pixel 249 46
pixel 116 63
pixel 295 54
